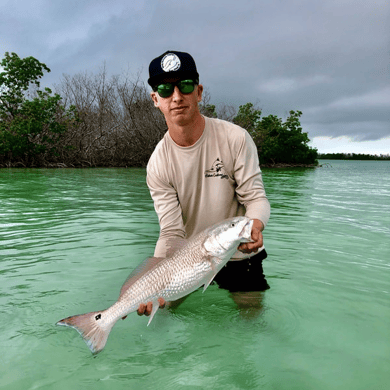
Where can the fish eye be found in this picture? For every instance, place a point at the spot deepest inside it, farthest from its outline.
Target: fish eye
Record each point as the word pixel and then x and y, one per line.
pixel 233 224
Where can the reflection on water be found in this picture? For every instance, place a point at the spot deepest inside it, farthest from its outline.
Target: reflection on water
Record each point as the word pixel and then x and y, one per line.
pixel 69 239
pixel 250 304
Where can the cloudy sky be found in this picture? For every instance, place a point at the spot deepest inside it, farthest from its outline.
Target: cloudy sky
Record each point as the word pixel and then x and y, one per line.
pixel 329 59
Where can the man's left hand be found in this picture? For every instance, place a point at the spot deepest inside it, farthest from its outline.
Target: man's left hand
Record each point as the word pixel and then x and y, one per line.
pixel 257 237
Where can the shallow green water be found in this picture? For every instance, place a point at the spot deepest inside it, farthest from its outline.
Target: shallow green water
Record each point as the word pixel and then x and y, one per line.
pixel 69 238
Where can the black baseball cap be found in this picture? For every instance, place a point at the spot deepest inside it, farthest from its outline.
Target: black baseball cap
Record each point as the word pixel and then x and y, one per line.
pixel 172 63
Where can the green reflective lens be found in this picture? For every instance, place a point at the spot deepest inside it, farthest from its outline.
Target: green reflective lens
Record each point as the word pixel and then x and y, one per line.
pixel 186 86
pixel 166 89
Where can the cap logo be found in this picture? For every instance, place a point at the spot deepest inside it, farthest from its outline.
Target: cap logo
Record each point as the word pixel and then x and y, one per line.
pixel 170 62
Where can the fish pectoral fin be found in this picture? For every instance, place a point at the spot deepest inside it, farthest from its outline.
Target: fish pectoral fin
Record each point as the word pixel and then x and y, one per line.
pixel 209 281
pixel 156 305
pixel 214 261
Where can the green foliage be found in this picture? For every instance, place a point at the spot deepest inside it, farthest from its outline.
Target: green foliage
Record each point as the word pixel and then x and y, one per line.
pixel 115 123
pixel 209 111
pixel 248 117
pixel 277 142
pixel 15 80
pixel 353 156
pixel 28 128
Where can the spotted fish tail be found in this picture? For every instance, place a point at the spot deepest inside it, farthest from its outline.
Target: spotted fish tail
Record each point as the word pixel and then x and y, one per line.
pixel 92 328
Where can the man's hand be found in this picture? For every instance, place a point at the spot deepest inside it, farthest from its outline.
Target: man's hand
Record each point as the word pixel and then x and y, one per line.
pixel 146 309
pixel 257 237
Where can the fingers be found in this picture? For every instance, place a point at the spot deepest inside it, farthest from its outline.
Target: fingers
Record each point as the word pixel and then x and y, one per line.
pixel 142 309
pixel 256 236
pixel 146 309
pixel 161 302
pixel 250 247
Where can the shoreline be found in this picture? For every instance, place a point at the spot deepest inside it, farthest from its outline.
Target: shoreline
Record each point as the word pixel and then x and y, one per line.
pixel 87 165
pixel 285 165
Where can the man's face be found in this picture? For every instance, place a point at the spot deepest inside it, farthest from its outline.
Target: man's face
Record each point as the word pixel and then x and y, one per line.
pixel 179 108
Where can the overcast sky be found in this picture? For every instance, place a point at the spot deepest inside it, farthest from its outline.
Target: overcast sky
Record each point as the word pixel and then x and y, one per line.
pixel 327 58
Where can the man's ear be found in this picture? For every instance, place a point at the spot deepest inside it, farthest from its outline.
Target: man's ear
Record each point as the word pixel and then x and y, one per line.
pixel 200 92
pixel 155 99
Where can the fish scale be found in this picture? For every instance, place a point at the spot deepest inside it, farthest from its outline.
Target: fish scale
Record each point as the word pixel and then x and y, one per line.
pixel 195 264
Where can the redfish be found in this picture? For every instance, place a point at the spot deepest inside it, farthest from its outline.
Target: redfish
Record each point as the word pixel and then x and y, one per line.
pixel 194 264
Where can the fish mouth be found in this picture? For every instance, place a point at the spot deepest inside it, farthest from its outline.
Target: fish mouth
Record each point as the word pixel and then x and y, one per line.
pixel 246 232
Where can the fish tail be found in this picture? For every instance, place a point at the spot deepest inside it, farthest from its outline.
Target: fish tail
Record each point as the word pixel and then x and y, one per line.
pixel 93 327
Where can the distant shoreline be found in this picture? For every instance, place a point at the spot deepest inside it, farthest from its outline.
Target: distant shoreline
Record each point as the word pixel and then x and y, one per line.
pixel 266 166
pixel 352 156
pixel 284 165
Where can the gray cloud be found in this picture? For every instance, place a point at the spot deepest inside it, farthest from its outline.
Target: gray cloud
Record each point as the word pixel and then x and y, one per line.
pixel 328 59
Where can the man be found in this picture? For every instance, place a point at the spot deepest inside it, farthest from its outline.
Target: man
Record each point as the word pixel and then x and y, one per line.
pixel 202 172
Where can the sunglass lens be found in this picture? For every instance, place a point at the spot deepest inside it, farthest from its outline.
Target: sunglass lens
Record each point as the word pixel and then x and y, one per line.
pixel 186 86
pixel 165 90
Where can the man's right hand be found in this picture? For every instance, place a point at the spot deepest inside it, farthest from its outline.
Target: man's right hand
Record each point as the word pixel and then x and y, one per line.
pixel 146 309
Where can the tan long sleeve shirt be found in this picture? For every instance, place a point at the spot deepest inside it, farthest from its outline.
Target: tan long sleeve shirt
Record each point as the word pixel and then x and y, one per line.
pixel 194 187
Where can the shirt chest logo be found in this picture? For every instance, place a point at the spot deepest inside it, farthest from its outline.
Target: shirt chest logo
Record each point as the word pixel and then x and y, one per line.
pixel 217 170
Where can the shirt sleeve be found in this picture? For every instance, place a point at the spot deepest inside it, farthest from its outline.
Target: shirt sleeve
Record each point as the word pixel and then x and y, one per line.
pixel 250 188
pixel 168 210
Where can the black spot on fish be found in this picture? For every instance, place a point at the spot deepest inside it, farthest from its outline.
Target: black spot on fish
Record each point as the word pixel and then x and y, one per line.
pixel 98 317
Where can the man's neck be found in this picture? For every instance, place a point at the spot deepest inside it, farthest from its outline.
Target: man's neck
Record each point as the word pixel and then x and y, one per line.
pixel 187 134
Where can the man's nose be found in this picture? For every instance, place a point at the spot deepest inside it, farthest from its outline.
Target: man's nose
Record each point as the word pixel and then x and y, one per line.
pixel 177 95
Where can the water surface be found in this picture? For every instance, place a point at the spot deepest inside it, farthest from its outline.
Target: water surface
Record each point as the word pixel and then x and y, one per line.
pixel 69 238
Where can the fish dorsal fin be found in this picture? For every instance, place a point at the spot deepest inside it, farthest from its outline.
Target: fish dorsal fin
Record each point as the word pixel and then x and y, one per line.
pixel 138 272
pixel 174 244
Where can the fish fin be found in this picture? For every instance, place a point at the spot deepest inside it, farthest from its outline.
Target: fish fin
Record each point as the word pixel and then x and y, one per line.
pixel 92 327
pixel 174 244
pixel 138 272
pixel 208 283
pixel 214 271
pixel 213 265
pixel 155 306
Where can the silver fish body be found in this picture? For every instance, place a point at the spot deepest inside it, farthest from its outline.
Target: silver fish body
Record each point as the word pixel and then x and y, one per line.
pixel 193 265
